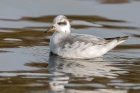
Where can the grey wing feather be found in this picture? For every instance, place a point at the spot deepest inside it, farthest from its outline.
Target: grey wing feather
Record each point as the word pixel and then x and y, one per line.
pixel 85 38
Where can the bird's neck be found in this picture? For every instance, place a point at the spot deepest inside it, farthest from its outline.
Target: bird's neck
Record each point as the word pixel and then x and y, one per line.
pixel 58 36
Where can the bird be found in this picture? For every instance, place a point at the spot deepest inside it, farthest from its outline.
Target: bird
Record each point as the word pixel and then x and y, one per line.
pixel 78 46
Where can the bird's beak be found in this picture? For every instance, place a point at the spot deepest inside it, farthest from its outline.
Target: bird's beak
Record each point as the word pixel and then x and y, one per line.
pixel 50 29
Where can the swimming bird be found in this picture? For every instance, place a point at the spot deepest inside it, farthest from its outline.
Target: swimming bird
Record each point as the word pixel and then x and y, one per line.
pixel 81 46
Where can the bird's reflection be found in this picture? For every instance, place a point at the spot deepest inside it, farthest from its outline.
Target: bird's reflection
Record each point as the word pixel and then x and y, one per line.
pixel 63 69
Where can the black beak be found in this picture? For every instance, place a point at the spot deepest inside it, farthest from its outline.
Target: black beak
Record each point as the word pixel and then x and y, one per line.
pixel 50 29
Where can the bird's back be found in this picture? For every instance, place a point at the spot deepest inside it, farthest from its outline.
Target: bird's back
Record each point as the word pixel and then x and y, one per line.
pixel 86 46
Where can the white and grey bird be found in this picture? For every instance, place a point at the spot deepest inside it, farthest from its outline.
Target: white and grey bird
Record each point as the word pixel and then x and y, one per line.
pixel 81 46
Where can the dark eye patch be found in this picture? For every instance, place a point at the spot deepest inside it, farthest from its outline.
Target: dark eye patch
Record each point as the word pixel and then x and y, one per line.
pixel 62 23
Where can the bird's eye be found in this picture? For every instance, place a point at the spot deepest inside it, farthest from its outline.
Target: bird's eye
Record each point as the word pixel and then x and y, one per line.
pixel 62 23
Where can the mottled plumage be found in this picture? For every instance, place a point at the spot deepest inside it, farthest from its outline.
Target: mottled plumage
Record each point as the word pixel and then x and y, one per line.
pixel 71 45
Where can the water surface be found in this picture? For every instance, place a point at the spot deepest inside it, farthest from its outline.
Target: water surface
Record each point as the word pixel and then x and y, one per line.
pixel 26 66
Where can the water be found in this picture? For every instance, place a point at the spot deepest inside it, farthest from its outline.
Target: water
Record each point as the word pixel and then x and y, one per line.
pixel 26 66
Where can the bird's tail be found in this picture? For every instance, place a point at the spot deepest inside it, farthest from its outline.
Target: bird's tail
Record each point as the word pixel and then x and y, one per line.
pixel 113 42
pixel 119 39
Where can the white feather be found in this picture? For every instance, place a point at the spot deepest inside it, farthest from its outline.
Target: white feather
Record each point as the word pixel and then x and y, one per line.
pixel 70 45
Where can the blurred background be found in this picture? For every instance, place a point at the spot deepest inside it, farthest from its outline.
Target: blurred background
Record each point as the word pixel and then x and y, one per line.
pixel 27 67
